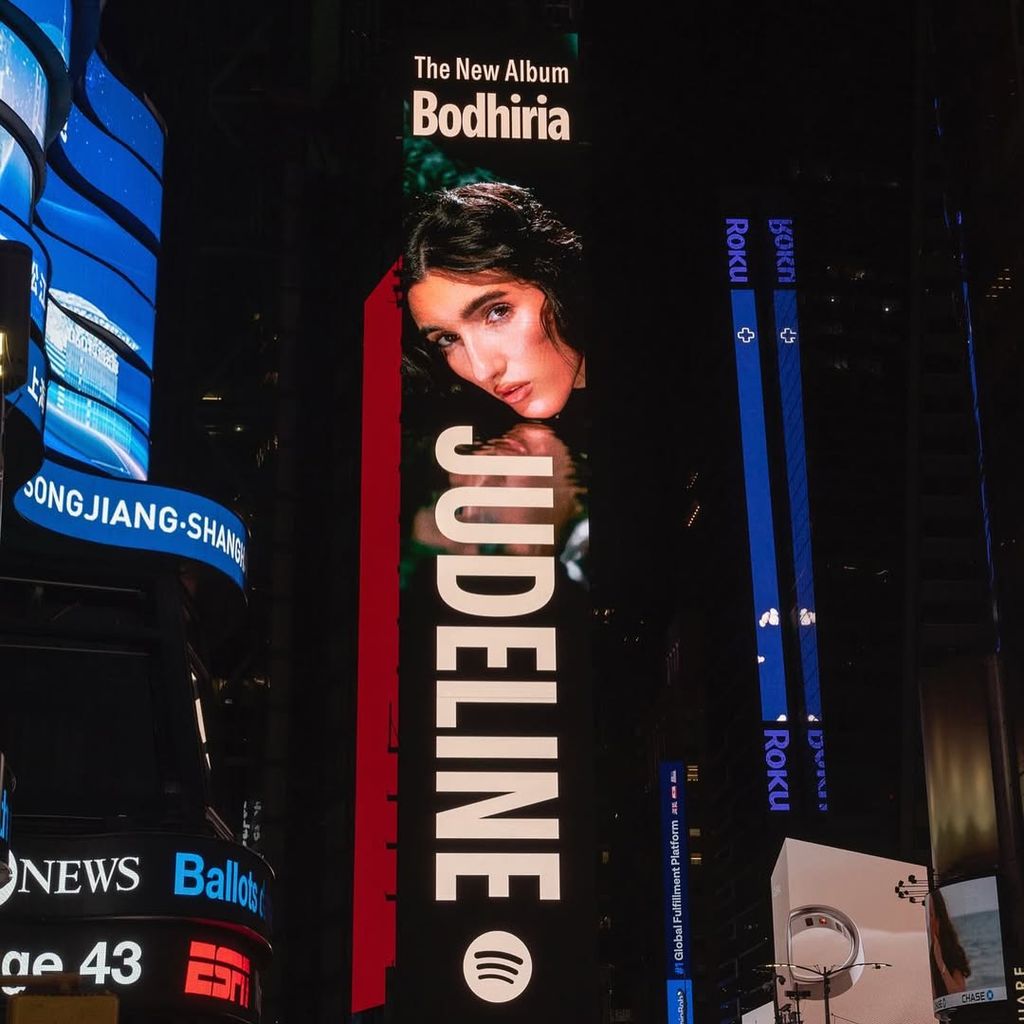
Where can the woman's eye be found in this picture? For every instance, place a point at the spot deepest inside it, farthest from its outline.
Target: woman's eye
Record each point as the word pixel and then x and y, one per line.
pixel 444 340
pixel 498 312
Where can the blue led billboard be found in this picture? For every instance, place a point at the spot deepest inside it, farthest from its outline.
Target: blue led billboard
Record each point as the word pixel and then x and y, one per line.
pixel 111 169
pixel 675 869
pixel 760 524
pixel 16 177
pixel 88 364
pixel 12 230
pixel 135 515
pixel 73 218
pixel 54 18
pixel 80 428
pixel 30 398
pixel 124 114
pixel 23 85
pixel 98 293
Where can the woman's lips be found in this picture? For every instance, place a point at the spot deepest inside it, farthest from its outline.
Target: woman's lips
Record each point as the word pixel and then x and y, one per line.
pixel 514 393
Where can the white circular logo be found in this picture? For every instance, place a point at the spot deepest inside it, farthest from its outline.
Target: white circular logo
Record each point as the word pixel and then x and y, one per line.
pixel 8 887
pixel 497 967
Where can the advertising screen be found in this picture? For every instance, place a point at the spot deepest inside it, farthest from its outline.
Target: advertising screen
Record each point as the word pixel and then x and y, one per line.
pixel 12 230
pixel 123 114
pixel 16 177
pixel 965 945
pixel 104 164
pixel 80 428
pixel 54 18
pixel 99 294
pixel 495 898
pixel 129 514
pixel 88 364
pixel 70 216
pixel 836 908
pixel 23 85
pixel 675 873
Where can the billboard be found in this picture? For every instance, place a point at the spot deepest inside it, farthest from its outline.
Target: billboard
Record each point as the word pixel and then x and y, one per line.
pixel 123 114
pixel 12 230
pixel 675 874
pixel 837 908
pixel 54 18
pixel 965 946
pixel 23 84
pixel 17 178
pixel 132 514
pixel 494 874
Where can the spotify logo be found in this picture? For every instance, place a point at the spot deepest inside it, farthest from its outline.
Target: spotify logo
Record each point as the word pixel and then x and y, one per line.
pixel 497 967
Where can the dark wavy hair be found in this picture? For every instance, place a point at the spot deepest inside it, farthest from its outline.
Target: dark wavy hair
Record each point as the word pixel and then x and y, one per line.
pixel 494 226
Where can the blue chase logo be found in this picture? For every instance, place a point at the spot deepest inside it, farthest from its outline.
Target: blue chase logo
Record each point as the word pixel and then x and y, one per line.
pixel 221 884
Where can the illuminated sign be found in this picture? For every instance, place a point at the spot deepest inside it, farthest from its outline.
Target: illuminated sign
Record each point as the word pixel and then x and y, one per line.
pixel 85 362
pixel 105 166
pixel 71 217
pixel 80 428
pixel 30 398
pixel 135 515
pixel 782 256
pixel 494 823
pixel 23 85
pixel 219 972
pixel 54 18
pixel 123 114
pixel 5 821
pixel 965 945
pixel 100 295
pixel 674 870
pixel 165 967
pixel 679 1000
pixel 137 874
pixel 17 179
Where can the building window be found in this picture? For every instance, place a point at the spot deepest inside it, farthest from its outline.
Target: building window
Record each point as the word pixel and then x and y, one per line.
pixel 693 773
pixel 696 859
pixel 694 833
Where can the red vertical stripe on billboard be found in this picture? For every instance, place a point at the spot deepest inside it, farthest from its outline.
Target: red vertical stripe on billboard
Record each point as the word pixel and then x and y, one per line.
pixel 373 914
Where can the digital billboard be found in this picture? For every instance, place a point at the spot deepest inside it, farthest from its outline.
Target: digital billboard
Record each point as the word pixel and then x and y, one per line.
pixel 97 293
pixel 54 18
pixel 23 85
pixel 965 945
pixel 130 514
pixel 838 909
pixel 70 216
pixel 675 873
pixel 104 165
pixel 779 236
pixel 123 114
pixel 17 179
pixel 85 362
pixel 494 896
pixel 80 428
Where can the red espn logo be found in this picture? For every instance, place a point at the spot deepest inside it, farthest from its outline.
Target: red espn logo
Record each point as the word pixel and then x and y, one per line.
pixel 218 972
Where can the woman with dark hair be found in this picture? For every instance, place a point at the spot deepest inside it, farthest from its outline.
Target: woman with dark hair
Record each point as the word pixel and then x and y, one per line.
pixel 491 282
pixel 950 967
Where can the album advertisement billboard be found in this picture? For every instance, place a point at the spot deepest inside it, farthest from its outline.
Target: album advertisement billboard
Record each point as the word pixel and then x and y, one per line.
pixel 494 898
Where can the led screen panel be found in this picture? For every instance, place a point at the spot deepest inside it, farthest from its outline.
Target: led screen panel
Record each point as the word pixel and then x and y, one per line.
pixel 491 504
pixel 54 18
pixel 129 514
pixel 123 114
pixel 965 945
pixel 70 216
pixel 80 428
pixel 112 169
pixel 98 293
pixel 88 364
pixel 14 231
pixel 832 906
pixel 17 178
pixel 23 85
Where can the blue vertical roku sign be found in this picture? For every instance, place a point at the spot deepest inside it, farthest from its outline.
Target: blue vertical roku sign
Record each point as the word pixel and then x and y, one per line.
pixel 675 865
pixel 787 338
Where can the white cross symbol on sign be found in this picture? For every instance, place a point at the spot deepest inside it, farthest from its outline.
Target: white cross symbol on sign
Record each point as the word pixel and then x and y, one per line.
pixel 745 334
pixel 788 335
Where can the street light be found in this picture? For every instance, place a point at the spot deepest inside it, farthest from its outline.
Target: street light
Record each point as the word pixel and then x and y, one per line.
pixel 826 974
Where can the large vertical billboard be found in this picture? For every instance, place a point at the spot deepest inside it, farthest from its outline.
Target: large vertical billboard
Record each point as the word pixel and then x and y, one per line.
pixel 494 894
pixel 676 880
pixel 838 909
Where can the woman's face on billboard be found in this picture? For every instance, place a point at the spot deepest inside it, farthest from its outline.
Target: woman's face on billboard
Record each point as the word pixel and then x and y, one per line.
pixel 494 332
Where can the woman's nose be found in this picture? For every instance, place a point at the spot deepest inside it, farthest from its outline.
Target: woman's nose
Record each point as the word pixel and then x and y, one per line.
pixel 484 357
